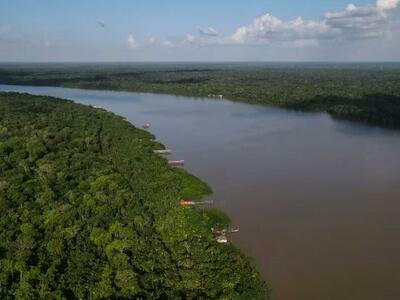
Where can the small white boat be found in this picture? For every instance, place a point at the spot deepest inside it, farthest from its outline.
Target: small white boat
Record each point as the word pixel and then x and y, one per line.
pixel 234 230
pixel 145 126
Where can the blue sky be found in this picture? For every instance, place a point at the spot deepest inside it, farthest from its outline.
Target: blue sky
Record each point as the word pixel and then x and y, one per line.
pixel 173 30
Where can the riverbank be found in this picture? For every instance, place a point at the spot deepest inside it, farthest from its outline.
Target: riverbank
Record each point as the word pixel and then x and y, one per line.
pixel 368 93
pixel 87 209
pixel 316 198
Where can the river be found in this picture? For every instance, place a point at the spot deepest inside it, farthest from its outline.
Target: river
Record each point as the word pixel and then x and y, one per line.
pixel 317 200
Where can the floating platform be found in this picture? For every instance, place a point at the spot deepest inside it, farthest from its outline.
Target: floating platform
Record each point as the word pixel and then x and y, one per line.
pixel 176 163
pixel 215 96
pixel 222 239
pixel 188 202
pixel 166 151
pixel 221 235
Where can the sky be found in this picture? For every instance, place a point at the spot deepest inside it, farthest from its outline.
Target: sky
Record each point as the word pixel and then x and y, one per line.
pixel 206 30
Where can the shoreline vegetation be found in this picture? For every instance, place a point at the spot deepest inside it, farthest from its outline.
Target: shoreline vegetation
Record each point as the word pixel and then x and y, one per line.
pixel 88 210
pixel 362 92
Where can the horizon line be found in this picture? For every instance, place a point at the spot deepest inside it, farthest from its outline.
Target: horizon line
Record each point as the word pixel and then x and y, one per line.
pixel 201 62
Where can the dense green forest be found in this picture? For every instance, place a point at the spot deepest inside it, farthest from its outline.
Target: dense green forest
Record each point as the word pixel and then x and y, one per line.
pixel 362 92
pixel 88 211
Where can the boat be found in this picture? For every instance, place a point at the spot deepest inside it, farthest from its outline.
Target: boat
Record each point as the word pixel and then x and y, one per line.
pixel 234 230
pixel 145 126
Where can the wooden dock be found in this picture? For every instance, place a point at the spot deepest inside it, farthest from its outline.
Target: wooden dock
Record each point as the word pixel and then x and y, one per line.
pixel 176 163
pixel 163 152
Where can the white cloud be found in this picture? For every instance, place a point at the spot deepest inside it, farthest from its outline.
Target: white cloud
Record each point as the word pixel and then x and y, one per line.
pixel 171 42
pixel 351 7
pixel 353 23
pixel 209 31
pixel 268 28
pixel 190 38
pixel 387 4
pixel 168 43
pixel 357 22
pixel 306 43
pixel 131 41
pixel 152 40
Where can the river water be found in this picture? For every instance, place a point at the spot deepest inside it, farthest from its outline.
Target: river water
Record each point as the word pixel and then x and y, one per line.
pixel 317 200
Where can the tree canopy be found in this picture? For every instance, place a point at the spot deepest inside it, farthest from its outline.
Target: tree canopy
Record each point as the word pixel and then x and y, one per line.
pixel 364 92
pixel 88 211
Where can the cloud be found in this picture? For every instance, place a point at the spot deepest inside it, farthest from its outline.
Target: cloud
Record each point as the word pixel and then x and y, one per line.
pixel 308 43
pixel 268 28
pixel 168 43
pixel 131 41
pixel 357 22
pixel 387 4
pixel 209 31
pixel 190 38
pixel 350 24
pixel 353 23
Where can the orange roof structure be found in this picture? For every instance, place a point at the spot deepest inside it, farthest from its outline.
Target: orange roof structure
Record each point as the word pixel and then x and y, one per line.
pixel 186 202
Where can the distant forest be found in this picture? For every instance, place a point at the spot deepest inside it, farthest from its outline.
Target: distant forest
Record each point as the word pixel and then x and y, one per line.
pixel 368 92
pixel 89 211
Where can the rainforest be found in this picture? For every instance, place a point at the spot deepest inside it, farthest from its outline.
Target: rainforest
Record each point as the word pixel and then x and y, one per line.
pixel 89 211
pixel 363 92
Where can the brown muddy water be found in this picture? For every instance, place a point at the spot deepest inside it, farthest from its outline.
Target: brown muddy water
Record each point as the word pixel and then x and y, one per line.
pixel 317 200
